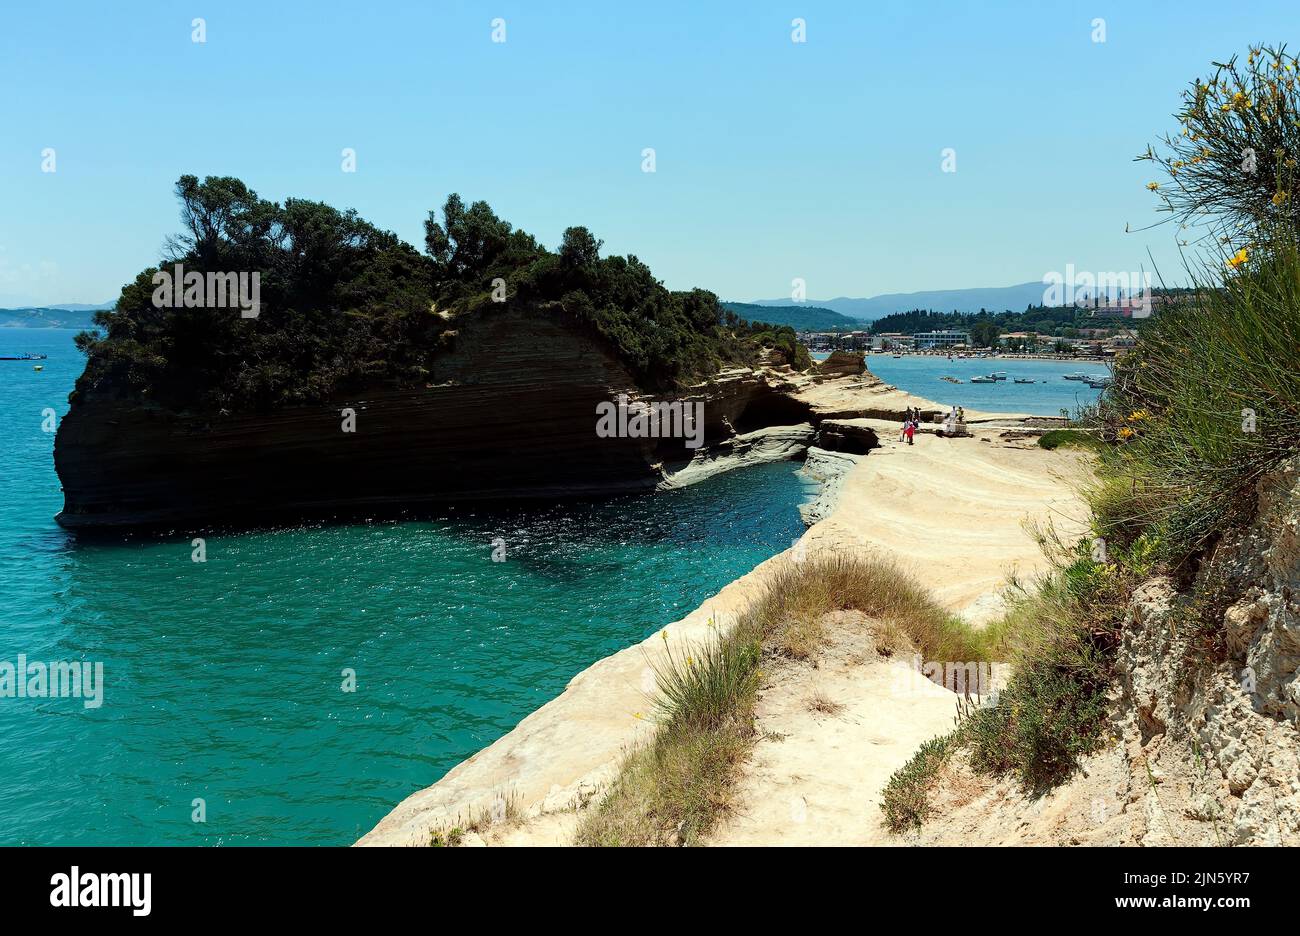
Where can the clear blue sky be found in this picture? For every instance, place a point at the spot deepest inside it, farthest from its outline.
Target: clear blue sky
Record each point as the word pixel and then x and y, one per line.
pixel 774 159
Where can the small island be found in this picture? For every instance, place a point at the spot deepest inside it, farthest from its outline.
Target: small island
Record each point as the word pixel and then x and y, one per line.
pixel 374 378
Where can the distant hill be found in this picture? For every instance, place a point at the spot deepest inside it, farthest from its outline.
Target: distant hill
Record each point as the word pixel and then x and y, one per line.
pixel 49 317
pixel 80 306
pixel 798 317
pixel 995 299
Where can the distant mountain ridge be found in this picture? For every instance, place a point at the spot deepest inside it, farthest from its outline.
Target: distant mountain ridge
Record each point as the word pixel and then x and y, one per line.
pixel 994 298
pixel 70 316
pixel 798 317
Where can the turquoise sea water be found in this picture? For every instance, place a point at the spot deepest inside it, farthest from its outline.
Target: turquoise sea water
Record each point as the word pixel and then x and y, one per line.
pixel 223 679
pixel 920 375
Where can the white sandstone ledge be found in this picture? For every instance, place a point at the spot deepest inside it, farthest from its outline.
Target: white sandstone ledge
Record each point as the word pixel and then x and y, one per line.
pixel 760 447
pixel 956 513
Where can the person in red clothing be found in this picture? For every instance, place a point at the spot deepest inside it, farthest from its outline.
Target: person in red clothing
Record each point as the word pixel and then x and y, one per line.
pixel 909 430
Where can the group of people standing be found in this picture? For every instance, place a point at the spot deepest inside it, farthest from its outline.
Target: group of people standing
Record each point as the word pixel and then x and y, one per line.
pixel 911 423
pixel 954 424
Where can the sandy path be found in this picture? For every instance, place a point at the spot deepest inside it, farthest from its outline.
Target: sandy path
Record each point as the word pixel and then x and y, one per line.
pixel 868 395
pixel 815 776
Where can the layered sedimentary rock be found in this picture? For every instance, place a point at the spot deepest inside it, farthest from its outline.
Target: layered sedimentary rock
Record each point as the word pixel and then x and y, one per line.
pixel 1203 750
pixel 1223 735
pixel 845 435
pixel 760 447
pixel 843 364
pixel 828 468
pixel 510 413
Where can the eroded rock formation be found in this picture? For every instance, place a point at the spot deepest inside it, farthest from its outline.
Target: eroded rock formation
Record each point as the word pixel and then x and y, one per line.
pixel 843 364
pixel 510 413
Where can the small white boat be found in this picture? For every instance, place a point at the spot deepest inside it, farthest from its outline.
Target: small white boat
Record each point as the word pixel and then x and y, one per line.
pixel 989 379
pixel 1075 376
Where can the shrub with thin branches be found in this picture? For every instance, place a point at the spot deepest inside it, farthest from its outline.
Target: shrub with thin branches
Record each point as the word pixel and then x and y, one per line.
pixel 1233 166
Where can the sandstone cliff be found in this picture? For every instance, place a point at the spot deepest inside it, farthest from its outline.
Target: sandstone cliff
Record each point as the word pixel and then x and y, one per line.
pixel 510 413
pixel 1206 739
pixel 843 364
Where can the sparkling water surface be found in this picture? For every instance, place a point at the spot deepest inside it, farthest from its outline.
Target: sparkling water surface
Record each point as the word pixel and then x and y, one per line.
pixel 223 679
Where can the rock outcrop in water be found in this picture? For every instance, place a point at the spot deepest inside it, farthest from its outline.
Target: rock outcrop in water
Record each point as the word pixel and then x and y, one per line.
pixel 509 414
pixel 360 377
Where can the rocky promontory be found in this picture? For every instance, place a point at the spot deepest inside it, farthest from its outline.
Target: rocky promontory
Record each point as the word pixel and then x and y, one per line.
pixel 510 413
pixel 367 378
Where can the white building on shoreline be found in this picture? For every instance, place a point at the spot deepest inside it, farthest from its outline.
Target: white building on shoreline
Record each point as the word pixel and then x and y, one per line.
pixel 941 339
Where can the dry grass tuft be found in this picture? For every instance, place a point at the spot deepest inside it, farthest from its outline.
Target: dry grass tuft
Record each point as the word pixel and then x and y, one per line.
pixel 502 812
pixel 824 704
pixel 675 790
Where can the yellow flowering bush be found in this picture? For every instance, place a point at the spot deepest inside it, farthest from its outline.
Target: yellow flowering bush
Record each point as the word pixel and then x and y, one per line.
pixel 1233 162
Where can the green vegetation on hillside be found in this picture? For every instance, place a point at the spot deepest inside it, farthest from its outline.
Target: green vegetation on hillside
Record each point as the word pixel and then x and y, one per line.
pixel 798 317
pixel 1070 438
pixel 345 305
pixel 1205 406
pixel 1233 167
pixel 986 326
pixel 1207 403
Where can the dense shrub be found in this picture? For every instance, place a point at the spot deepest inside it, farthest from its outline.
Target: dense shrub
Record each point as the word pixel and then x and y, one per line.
pixel 346 305
pixel 1206 404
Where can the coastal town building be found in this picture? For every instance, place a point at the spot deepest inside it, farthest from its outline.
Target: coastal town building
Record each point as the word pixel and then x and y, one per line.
pixel 1027 341
pixel 1131 307
pixel 1118 344
pixel 941 339
pixel 891 341
pixel 857 341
